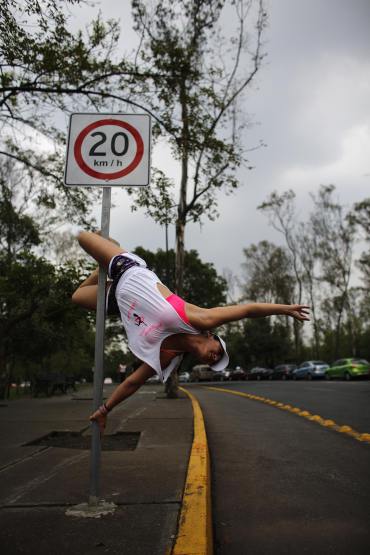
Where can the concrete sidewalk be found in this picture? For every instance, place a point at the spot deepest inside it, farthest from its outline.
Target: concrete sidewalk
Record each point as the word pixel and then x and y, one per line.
pixel 39 483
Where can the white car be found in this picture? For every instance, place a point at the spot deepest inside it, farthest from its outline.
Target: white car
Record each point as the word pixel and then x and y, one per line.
pixel 108 381
pixel 153 379
pixel 225 374
pixel 184 377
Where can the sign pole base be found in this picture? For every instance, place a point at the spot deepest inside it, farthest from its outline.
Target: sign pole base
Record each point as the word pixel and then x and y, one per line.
pixel 96 509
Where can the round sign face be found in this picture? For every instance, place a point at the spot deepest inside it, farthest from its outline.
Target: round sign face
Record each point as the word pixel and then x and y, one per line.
pixel 108 149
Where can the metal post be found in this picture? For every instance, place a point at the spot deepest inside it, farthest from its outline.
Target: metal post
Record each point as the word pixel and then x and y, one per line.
pixel 99 359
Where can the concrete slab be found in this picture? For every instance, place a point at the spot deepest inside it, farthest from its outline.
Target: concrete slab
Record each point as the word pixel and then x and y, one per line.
pixel 37 485
pixel 135 529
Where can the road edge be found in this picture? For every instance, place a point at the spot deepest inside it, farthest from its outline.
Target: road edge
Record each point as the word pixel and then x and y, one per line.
pixel 316 418
pixel 195 534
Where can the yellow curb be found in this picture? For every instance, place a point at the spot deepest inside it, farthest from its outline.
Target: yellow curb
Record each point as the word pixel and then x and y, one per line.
pixel 194 535
pixel 364 437
pixel 330 424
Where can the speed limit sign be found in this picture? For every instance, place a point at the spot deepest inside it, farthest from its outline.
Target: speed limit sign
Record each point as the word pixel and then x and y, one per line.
pixel 108 150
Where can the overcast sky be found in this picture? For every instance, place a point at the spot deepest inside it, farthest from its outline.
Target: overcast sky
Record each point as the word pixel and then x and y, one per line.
pixel 311 106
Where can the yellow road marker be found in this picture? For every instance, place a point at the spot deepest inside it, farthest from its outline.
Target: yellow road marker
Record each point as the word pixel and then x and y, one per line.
pixel 194 536
pixel 327 423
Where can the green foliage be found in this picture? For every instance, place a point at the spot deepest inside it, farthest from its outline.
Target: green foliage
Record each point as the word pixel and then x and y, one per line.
pixel 45 68
pixel 269 274
pixel 40 329
pixel 321 252
pixel 38 323
pixel 259 342
pixel 193 90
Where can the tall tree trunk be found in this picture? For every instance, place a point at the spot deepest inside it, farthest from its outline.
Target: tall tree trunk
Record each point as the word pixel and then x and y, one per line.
pixel 316 335
pixel 3 372
pixel 338 328
pixel 181 211
pixel 296 325
pixel 180 257
pixel 172 385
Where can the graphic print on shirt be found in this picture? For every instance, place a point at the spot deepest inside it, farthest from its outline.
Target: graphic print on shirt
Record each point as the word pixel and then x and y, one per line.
pixel 139 320
pixel 131 309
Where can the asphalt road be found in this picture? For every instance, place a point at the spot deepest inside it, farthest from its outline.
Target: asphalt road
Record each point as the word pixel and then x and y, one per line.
pixel 280 483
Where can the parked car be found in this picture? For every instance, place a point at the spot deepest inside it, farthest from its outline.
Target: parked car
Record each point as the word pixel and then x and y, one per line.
pixel 184 377
pixel 203 372
pixel 108 381
pixel 282 372
pixel 258 373
pixel 153 379
pixel 237 374
pixel 349 368
pixel 225 374
pixel 310 369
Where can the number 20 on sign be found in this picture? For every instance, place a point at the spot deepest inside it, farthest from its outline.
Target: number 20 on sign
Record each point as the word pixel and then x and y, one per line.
pixel 108 150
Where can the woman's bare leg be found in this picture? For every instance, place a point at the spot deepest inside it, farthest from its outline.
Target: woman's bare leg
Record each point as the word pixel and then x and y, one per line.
pixel 103 250
pixel 87 293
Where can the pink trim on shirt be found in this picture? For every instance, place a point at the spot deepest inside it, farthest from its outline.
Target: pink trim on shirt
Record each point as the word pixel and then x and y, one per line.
pixel 179 305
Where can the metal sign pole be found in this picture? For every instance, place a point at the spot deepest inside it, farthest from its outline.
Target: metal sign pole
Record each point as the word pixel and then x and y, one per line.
pixel 99 359
pixel 122 158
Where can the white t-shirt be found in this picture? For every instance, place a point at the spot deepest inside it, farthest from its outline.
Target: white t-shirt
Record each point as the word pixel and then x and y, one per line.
pixel 147 317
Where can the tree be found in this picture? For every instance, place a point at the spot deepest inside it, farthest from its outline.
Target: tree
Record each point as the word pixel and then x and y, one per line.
pixel 269 278
pixel 335 235
pixel 38 323
pixel 268 274
pixel 266 342
pixel 307 253
pixel 281 211
pixel 194 91
pixel 45 68
pixel 360 216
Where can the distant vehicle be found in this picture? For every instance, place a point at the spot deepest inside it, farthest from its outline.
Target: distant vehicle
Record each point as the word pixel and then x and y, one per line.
pixel 184 377
pixel 237 374
pixel 225 374
pixel 310 369
pixel 282 372
pixel 153 379
pixel 108 381
pixel 258 373
pixel 203 372
pixel 349 369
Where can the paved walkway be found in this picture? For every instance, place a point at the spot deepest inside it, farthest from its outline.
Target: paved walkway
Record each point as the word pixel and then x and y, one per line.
pixel 38 483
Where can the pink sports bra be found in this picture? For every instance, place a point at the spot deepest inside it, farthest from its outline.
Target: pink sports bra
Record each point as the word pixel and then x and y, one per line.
pixel 179 305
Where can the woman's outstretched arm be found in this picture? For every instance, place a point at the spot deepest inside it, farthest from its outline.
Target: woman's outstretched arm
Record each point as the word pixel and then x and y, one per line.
pixel 123 391
pixel 209 318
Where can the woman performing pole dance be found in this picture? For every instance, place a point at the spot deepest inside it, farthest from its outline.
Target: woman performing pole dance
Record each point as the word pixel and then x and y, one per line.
pixel 160 326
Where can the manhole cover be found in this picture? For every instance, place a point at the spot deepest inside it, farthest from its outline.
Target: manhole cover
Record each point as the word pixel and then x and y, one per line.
pixel 120 441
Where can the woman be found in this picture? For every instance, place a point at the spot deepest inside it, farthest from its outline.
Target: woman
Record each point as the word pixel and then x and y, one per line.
pixel 160 326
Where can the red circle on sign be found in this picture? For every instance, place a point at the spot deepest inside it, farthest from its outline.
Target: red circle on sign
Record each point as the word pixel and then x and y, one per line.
pixel 115 175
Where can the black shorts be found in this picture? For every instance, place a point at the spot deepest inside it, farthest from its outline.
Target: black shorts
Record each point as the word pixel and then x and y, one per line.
pixel 118 266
